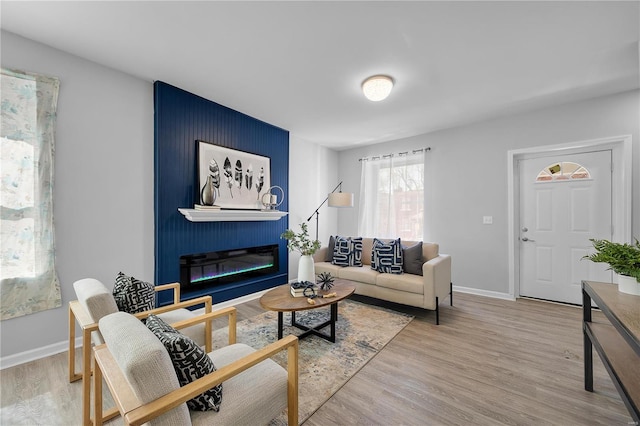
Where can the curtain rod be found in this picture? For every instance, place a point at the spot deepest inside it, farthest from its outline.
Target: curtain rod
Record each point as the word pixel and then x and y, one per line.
pixel 377 157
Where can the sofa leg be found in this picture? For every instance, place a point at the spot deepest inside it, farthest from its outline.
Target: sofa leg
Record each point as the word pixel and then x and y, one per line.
pixel 437 312
pixel 451 293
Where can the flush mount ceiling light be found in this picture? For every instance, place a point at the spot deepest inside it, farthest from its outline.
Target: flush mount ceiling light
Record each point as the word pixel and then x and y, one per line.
pixel 377 87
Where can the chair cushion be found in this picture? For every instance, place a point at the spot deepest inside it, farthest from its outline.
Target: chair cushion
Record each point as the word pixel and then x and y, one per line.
pixel 190 363
pixel 347 251
pixel 412 259
pixel 133 295
pixel 145 363
pixel 253 397
pixel 387 256
pixel 195 332
pixel 97 300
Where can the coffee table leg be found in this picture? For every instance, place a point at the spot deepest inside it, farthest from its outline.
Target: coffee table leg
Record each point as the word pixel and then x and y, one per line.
pixel 293 318
pixel 334 318
pixel 280 321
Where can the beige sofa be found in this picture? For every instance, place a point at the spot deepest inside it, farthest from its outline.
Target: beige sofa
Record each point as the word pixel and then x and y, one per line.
pixel 409 289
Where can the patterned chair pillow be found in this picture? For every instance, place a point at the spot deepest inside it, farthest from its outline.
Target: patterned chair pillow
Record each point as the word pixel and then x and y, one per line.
pixel 189 361
pixel 133 295
pixel 387 256
pixel 347 251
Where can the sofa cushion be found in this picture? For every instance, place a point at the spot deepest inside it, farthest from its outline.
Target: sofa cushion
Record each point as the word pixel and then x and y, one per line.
pixel 190 363
pixel 406 282
pixel 133 295
pixel 327 267
pixel 387 256
pixel 347 251
pixel 363 275
pixel 412 259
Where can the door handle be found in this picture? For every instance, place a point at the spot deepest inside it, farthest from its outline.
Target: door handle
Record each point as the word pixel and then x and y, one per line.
pixel 527 239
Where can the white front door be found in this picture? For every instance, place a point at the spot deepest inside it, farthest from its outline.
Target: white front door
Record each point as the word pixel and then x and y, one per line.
pixel 564 201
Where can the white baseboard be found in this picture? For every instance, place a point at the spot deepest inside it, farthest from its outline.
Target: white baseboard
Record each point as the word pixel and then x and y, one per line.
pixel 486 293
pixel 35 354
pixel 56 348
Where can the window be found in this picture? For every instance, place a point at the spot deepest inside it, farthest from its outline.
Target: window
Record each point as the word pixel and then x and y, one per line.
pixel 392 197
pixel 563 171
pixel 28 279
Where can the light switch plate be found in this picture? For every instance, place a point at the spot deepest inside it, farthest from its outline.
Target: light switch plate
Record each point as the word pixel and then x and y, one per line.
pixel 487 220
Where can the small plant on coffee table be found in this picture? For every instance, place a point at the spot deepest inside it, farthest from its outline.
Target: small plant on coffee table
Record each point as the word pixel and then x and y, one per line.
pixel 325 281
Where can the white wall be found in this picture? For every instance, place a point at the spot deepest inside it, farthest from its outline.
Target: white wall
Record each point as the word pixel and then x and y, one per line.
pixel 313 173
pixel 103 197
pixel 468 178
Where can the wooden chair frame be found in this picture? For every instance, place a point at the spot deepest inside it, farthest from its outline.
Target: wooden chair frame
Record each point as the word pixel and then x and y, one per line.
pixel 135 413
pixel 78 314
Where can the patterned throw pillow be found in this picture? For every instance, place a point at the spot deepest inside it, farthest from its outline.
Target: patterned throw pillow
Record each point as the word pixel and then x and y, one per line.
pixel 387 257
pixel 189 361
pixel 133 295
pixel 347 251
pixel 412 258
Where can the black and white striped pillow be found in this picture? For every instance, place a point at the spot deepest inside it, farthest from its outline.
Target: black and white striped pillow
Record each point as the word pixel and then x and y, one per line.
pixel 347 251
pixel 133 295
pixel 189 361
pixel 387 257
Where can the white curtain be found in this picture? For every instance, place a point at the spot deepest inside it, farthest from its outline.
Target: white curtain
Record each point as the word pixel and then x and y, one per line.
pixel 392 196
pixel 27 269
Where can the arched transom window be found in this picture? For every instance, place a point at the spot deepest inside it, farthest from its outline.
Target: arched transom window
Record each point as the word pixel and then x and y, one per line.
pixel 563 171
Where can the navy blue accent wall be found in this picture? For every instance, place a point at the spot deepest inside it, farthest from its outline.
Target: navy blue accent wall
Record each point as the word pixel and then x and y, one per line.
pixel 180 119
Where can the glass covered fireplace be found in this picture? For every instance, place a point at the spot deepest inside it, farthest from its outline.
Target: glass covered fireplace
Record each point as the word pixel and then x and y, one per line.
pixel 227 266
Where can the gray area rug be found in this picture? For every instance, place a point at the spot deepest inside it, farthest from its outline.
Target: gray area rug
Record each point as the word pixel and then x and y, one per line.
pixel 324 367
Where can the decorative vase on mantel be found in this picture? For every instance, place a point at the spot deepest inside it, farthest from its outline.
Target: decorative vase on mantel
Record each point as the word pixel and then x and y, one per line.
pixel 306 269
pixel 629 285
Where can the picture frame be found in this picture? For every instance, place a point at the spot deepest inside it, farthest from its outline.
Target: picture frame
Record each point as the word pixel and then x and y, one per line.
pixel 239 178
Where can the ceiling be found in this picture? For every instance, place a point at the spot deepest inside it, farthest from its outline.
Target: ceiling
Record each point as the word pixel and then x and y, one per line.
pixel 299 65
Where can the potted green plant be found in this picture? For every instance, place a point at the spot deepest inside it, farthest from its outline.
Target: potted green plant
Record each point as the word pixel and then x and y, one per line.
pixel 302 243
pixel 623 259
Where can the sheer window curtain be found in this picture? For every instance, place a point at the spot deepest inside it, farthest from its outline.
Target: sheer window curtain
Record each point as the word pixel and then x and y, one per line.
pixel 392 196
pixel 29 282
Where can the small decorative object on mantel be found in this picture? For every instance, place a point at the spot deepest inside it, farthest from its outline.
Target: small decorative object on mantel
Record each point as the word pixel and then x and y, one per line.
pixel 325 280
pixel 623 259
pixel 306 247
pixel 270 200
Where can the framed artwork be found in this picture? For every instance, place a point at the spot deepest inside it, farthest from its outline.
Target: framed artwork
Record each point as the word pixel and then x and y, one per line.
pixel 238 178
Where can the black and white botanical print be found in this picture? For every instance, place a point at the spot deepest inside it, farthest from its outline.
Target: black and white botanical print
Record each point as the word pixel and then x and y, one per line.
pixel 239 178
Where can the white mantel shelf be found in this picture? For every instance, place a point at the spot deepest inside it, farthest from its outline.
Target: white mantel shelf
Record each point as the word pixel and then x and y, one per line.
pixel 194 215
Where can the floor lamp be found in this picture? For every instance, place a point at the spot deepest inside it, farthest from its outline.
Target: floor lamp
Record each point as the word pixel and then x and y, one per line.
pixel 336 199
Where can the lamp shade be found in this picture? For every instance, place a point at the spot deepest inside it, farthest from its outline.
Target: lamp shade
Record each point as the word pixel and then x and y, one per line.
pixel 341 199
pixel 377 88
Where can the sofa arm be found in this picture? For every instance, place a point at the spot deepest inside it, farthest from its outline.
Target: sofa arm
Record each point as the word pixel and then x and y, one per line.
pixel 320 255
pixel 437 279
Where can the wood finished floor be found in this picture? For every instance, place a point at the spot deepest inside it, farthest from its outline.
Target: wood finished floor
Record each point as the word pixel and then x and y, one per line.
pixel 489 362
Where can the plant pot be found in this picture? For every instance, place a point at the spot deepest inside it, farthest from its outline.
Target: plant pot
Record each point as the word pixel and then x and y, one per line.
pixel 306 269
pixel 628 285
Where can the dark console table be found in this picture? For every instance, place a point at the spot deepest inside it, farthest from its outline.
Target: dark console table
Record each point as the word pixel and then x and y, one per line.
pixel 617 342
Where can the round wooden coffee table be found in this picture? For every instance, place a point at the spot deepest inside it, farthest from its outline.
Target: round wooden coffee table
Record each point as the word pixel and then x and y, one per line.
pixel 280 299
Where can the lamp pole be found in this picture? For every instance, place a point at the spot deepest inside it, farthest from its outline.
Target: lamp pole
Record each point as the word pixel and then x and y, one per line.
pixel 317 213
